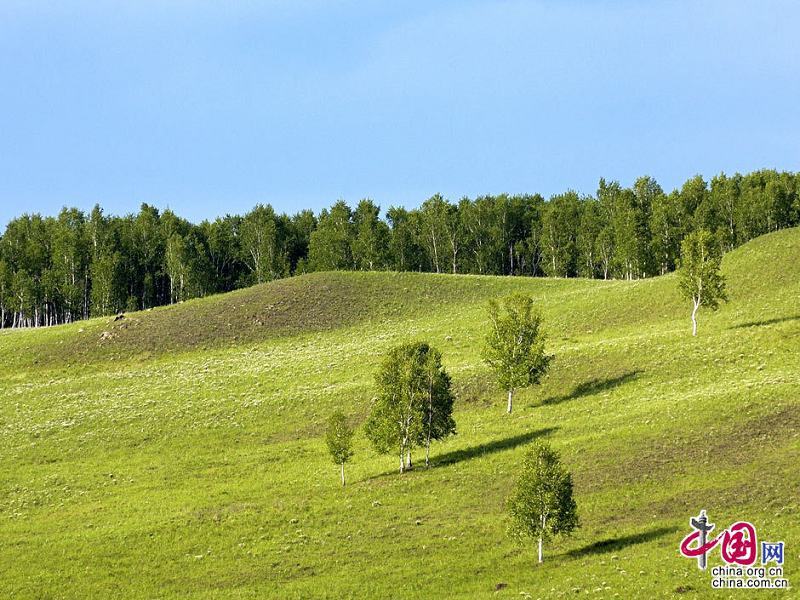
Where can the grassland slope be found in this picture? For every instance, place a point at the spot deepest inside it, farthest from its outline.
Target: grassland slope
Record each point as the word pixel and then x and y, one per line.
pixel 178 453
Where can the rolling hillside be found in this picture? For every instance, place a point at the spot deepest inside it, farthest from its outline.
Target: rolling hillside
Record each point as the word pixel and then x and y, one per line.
pixel 178 452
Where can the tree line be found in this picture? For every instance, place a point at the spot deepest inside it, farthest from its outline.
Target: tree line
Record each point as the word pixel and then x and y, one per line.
pixel 76 265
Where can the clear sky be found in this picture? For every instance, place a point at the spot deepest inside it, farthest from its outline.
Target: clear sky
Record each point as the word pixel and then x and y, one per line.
pixel 211 107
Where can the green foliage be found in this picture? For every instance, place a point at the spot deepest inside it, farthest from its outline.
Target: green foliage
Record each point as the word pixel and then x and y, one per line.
pixel 330 245
pixel 591 225
pixel 604 250
pixel 560 225
pixel 437 398
pixel 666 232
pixel 542 504
pixel 405 251
pixel 78 266
pixel 435 221
pixel 699 277
pixel 262 244
pixel 514 346
pixel 185 457
pixel 105 293
pixel 414 404
pixel 371 241
pixel 5 292
pixel 339 438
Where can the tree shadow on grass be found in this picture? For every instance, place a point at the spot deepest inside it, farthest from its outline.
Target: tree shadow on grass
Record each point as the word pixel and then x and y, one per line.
pixel 765 322
pixel 508 443
pixel 618 543
pixel 593 386
pixel 456 456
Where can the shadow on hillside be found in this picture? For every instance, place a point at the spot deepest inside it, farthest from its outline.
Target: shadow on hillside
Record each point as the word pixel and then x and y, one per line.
pixel 618 543
pixel 765 322
pixel 508 443
pixel 457 456
pixel 593 386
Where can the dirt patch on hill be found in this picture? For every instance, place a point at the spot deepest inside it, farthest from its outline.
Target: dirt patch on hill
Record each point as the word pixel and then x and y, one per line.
pixel 665 457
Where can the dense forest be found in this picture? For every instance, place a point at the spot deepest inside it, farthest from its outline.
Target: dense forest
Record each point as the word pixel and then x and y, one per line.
pixel 74 266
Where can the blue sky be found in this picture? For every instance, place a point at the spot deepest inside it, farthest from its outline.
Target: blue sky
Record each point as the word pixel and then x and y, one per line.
pixel 211 107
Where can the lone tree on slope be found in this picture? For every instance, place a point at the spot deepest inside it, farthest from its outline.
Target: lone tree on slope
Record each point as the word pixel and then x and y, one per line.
pixel 515 344
pixel 414 404
pixel 699 274
pixel 542 505
pixel 339 438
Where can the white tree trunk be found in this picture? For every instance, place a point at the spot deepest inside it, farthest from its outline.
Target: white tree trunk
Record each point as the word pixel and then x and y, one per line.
pixel 510 401
pixel 694 317
pixel 430 424
pixel 342 474
pixel 435 250
pixel 540 549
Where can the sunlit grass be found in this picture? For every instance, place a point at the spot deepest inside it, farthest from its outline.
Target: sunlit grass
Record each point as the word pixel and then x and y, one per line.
pixel 183 457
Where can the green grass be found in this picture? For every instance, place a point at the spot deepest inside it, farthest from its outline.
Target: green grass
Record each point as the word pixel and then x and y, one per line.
pixel 178 452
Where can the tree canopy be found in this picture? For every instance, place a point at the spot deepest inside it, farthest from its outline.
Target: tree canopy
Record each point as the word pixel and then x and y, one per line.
pixel 414 404
pixel 339 439
pixel 57 269
pixel 514 346
pixel 542 505
pixel 700 277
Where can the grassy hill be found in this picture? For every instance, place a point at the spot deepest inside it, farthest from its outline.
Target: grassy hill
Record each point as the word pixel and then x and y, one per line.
pixel 178 452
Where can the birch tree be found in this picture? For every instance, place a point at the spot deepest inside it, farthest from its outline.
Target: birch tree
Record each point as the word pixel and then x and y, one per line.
pixel 72 265
pixel 339 439
pixel 70 262
pixel 414 403
pixel 175 262
pixel 626 242
pixel 724 195
pixel 665 226
pixel 475 220
pixel 588 232
pixel 5 291
pixel 260 240
pixel 560 223
pixel 395 420
pixel 329 246
pixel 148 248
pixel 514 346
pixel 542 505
pixel 604 249
pixel 103 272
pixel 700 279
pixel 371 242
pixel 438 399
pixel 405 252
pixel 434 219
pixel 454 235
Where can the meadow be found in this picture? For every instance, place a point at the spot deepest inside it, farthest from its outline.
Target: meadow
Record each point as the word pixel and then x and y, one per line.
pixel 178 452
